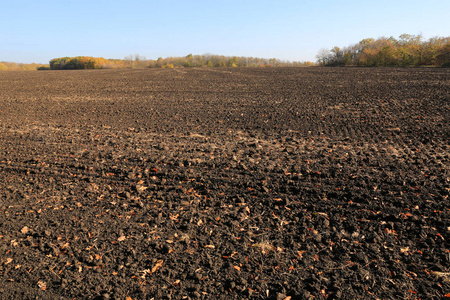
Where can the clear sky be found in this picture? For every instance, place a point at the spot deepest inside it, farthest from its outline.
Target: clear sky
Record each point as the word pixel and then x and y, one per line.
pixel 39 30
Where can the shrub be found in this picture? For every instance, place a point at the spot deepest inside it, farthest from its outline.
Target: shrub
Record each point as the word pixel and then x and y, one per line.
pixel 79 62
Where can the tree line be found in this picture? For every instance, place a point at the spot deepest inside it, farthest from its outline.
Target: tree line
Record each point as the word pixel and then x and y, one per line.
pixel 217 61
pixel 137 61
pixel 10 66
pixel 408 50
pixel 405 51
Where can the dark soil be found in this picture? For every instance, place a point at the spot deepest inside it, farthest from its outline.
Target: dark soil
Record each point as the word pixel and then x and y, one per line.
pixel 277 183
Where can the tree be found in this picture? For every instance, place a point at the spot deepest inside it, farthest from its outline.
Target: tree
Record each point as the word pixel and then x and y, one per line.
pixel 323 56
pixel 407 50
pixel 443 57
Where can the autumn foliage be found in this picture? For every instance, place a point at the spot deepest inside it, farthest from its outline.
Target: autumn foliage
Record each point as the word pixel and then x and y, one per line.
pixel 408 50
pixel 10 66
pixel 139 62
pixel 217 61
pixel 79 62
pixel 206 60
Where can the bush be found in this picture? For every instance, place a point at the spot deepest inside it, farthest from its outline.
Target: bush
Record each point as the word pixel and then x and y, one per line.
pixel 79 62
pixel 43 68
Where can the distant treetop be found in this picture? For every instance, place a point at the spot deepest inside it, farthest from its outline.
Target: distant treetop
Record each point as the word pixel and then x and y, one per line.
pixel 407 50
pixel 79 62
pixel 206 60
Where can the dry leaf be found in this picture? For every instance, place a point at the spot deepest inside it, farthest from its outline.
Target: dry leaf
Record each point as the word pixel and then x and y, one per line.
pixel 64 246
pixel 141 188
pixel 8 260
pixel 264 246
pixel 42 285
pixel 158 265
pixel 145 272
pixel 403 250
pixel 237 268
pixel 25 230
pixel 210 246
pixel 121 239
pixel 390 231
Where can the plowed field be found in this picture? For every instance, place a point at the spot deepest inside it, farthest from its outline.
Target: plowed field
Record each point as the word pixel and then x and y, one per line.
pixel 268 183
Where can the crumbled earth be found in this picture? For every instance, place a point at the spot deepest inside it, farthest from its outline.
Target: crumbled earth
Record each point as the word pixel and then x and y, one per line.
pixel 268 183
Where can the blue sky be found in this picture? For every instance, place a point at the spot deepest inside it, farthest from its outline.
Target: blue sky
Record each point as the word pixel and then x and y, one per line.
pixel 39 30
